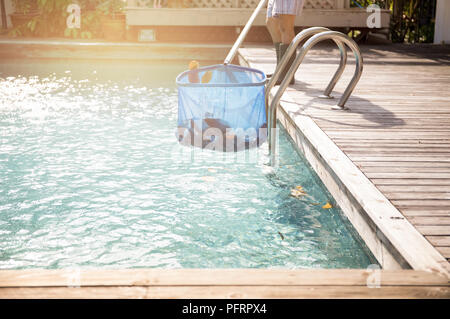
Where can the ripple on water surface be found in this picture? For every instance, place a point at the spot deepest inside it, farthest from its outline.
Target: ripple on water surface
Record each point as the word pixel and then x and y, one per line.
pixel 91 175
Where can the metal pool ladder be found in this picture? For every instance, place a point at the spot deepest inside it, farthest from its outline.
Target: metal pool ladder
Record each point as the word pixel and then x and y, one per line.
pixel 312 36
pixel 315 35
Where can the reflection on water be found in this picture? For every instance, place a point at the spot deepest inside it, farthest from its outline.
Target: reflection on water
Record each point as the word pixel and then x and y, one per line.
pixel 91 174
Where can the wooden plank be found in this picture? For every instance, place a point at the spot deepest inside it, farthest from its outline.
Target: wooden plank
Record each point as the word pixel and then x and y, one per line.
pixel 391 135
pixel 411 181
pixel 392 146
pixel 437 203
pixel 361 126
pixel 439 240
pixel 365 164
pixel 226 292
pixel 445 251
pixel 438 230
pixel 217 277
pixel 375 116
pixel 430 220
pixel 354 130
pixel 413 189
pixel 416 148
pixel 422 169
pixel 424 211
pixel 417 158
pixel 389 152
pixel 429 175
pixel 429 143
pixel 373 124
pixel 416 195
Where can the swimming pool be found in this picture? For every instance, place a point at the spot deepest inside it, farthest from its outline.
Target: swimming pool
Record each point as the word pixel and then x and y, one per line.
pixel 91 175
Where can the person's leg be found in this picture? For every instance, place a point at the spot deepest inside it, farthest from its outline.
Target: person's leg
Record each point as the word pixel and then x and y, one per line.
pixel 286 11
pixel 287 22
pixel 286 25
pixel 273 25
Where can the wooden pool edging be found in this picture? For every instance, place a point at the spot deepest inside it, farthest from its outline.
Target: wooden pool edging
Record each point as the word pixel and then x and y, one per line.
pixel 222 283
pixel 102 50
pixel 393 240
pixel 390 282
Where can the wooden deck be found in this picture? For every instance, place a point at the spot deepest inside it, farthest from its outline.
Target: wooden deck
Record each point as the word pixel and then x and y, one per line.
pixel 397 131
pixel 231 283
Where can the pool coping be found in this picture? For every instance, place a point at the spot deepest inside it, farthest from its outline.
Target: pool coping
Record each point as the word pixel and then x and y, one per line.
pixel 93 43
pixel 31 48
pixel 390 282
pixel 393 240
pixel 222 283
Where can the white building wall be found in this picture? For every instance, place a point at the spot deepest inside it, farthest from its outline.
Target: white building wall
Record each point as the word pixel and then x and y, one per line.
pixel 442 27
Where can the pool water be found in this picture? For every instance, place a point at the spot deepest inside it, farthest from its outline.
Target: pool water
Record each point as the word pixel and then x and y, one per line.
pixel 91 175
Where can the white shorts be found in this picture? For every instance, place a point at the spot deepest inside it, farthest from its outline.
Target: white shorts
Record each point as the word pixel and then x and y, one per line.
pixel 277 7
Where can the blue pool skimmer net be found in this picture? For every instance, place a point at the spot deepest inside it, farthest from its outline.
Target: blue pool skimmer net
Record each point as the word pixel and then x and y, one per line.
pixel 227 113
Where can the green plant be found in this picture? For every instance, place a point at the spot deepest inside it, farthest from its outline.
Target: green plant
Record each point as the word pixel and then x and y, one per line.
pixel 52 20
pixel 411 20
pixel 111 7
pixel 90 26
pixel 24 6
pixel 24 10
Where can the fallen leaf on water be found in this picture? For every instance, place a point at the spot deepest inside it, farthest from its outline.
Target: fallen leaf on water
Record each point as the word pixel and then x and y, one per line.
pixel 297 194
pixel 327 206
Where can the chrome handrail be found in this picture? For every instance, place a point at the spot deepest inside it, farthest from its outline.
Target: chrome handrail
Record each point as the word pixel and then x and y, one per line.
pixel 243 34
pixel 302 36
pixel 327 35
